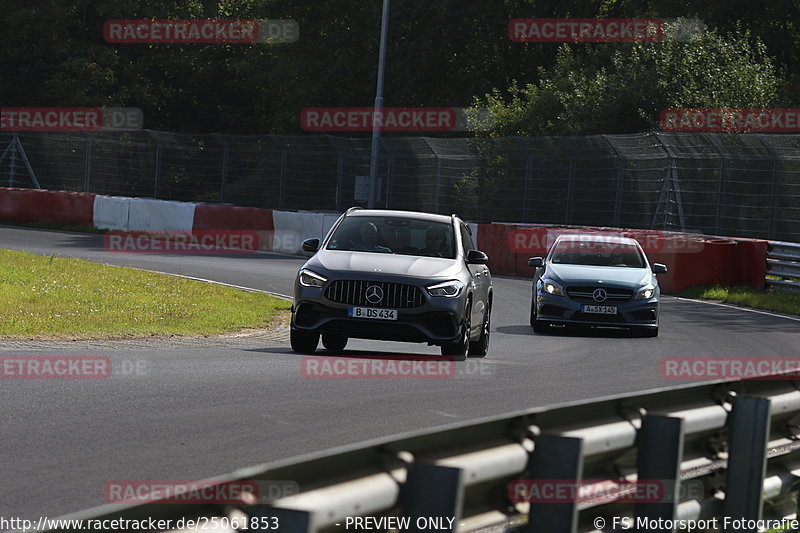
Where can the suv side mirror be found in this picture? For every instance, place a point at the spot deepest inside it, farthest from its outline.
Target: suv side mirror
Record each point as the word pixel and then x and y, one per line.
pixel 310 245
pixel 476 257
pixel 536 262
pixel 658 268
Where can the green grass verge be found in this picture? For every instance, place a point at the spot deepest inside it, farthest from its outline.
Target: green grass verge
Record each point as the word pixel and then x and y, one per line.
pixel 64 298
pixel 771 300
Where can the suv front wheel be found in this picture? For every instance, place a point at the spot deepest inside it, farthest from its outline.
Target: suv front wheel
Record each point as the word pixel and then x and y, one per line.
pixel 303 342
pixel 458 350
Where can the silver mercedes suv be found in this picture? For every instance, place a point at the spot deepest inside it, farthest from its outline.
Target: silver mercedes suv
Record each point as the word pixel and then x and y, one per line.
pixel 394 276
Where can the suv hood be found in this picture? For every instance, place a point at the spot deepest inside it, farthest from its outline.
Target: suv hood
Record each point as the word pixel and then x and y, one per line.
pixel 409 265
pixel 581 274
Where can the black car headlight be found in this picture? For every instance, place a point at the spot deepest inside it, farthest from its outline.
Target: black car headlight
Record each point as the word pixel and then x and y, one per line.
pixel 448 289
pixel 551 287
pixel 311 279
pixel 646 292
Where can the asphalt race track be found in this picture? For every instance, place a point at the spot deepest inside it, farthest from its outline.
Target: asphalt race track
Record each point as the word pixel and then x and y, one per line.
pixel 205 408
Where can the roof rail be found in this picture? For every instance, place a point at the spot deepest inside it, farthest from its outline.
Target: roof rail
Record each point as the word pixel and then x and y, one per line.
pixel 354 208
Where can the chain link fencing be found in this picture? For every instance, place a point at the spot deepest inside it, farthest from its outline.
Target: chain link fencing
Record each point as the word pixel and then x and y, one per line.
pixel 744 185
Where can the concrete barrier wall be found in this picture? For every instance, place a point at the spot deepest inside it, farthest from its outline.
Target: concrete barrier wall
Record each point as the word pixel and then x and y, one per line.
pixel 160 215
pixel 111 212
pixel 691 259
pixel 53 207
pixel 231 217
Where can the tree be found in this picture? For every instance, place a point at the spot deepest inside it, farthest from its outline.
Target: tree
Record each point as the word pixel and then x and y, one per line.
pixel 622 88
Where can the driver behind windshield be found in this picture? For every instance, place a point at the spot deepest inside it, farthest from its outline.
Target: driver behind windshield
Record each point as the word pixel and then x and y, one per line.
pixel 434 242
pixel 368 234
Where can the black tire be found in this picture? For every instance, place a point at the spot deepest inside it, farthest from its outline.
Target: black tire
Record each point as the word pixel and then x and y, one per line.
pixel 533 311
pixel 458 350
pixel 480 347
pixel 303 341
pixel 540 326
pixel 334 343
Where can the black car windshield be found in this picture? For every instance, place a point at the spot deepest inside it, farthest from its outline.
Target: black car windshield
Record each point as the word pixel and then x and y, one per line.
pixel 597 253
pixel 394 235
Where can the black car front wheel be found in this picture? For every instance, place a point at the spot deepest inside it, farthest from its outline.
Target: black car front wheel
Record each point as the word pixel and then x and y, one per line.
pixel 303 341
pixel 533 311
pixel 480 347
pixel 458 350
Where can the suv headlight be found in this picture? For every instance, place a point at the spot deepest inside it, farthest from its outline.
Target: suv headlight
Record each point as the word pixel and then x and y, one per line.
pixel 553 288
pixel 311 279
pixel 646 292
pixel 448 289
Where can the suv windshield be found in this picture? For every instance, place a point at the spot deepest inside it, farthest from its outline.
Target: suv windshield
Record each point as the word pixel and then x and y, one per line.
pixel 394 235
pixel 595 253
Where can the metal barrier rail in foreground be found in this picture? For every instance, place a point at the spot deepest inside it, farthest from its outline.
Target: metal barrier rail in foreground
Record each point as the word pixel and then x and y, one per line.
pixel 726 449
pixel 783 260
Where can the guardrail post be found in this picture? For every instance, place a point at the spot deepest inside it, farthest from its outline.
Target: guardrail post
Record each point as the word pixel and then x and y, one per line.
pixel 556 459
pixel 749 423
pixel 570 190
pixel 389 165
pixel 436 182
pixel 528 186
pixel 87 162
pixel 433 490
pixel 282 178
pixel 339 180
pixel 226 155
pixel 660 445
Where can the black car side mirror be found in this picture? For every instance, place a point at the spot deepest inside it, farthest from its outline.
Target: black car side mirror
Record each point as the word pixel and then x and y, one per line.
pixel 535 262
pixel 658 268
pixel 310 245
pixel 476 257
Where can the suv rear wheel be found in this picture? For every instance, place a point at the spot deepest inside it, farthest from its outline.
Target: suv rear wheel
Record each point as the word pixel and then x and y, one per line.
pixel 334 343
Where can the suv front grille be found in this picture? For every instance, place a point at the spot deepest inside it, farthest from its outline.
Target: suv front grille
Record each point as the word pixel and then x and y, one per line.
pixel 354 292
pixel 612 293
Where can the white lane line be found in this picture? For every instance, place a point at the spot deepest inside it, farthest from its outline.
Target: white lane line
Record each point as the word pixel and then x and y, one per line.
pixel 757 311
pixel 241 287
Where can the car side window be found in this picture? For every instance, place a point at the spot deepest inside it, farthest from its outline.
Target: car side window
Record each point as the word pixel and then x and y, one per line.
pixel 466 239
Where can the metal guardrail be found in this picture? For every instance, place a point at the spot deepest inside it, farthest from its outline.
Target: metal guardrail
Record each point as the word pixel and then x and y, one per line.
pixel 726 449
pixel 783 260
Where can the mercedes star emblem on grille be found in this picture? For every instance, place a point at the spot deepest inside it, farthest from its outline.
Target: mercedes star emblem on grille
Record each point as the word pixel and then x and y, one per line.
pixel 599 295
pixel 374 294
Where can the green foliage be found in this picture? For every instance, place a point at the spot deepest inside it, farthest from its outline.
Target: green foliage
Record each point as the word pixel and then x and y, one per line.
pixel 442 53
pixel 602 88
